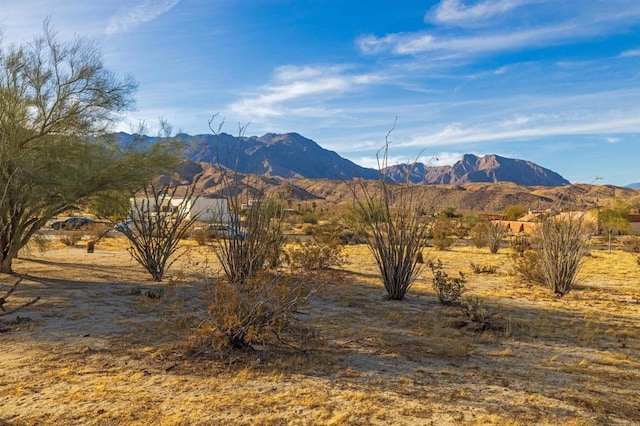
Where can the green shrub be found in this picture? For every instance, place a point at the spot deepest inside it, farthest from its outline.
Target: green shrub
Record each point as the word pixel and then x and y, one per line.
pixel 447 289
pixel 311 256
pixel 528 267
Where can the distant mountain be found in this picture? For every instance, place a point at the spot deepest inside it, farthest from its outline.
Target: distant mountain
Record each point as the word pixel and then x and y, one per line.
pixel 490 168
pixel 286 155
pixel 633 185
pixel 291 155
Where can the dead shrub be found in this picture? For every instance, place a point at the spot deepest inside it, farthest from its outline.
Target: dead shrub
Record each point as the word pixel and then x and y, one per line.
pixel 244 314
pixel 448 289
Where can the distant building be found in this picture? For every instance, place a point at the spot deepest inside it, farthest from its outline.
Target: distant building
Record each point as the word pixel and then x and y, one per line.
pixel 203 209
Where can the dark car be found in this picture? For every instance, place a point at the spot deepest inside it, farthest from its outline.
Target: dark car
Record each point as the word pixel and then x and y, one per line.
pixel 77 222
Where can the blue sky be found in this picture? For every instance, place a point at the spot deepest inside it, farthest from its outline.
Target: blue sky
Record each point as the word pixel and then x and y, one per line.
pixel 554 82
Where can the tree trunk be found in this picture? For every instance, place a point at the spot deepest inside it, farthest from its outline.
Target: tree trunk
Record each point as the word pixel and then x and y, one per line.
pixel 6 264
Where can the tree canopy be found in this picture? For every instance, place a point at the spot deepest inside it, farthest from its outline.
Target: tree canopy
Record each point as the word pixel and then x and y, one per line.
pixel 57 103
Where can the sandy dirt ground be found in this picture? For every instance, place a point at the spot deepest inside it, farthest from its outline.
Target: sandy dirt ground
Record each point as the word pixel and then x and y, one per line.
pixel 96 350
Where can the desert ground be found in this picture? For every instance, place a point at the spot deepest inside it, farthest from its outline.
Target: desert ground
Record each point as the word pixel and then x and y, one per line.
pixel 96 350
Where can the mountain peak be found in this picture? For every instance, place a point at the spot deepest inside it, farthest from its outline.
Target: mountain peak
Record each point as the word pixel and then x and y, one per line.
pixel 292 155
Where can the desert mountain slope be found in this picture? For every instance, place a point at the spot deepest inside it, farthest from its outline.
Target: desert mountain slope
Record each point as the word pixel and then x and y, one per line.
pixel 470 196
pixel 291 155
pixel 489 168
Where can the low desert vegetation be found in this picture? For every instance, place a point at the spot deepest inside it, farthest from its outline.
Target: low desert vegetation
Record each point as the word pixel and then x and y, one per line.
pixel 253 329
pixel 394 219
pixel 448 289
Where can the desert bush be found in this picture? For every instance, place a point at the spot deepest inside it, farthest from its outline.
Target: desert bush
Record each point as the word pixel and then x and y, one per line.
pixel 520 244
pixel 201 236
pixel 489 234
pixel 394 220
pixel 263 222
pixel 350 237
pixel 562 244
pixel 479 235
pixel 70 238
pixel 314 256
pixel 483 268
pixel 242 258
pixel 472 307
pixel 496 231
pixel 308 229
pixel 448 289
pixel 631 244
pixel 441 233
pixel 243 314
pixel 155 233
pixel 310 217
pixel 528 267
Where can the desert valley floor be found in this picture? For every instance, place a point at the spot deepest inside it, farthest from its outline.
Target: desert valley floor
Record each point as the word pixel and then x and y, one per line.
pixel 97 350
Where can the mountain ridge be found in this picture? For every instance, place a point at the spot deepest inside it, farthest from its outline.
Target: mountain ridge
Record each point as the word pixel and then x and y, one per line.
pixel 291 155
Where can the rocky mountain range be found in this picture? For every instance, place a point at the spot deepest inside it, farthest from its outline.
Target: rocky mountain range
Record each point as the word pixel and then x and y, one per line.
pixel 633 185
pixel 291 155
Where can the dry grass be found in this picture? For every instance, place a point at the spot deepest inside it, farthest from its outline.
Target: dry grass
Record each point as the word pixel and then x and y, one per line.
pixel 98 352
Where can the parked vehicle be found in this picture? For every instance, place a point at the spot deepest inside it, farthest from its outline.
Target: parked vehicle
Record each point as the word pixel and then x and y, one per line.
pixel 125 226
pixel 77 222
pixel 220 230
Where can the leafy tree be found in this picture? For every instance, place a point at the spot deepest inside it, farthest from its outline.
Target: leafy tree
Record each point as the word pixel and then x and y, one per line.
pixel 614 218
pixel 56 101
pixel 515 211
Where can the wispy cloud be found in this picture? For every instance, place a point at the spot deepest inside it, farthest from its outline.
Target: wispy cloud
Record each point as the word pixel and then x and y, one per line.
pixel 474 44
pixel 522 128
pixel 515 33
pixel 146 11
pixel 457 13
pixel 292 85
pixel 632 52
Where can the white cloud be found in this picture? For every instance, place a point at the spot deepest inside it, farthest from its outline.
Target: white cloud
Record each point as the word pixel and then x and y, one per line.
pixel 612 139
pixel 423 42
pixel 538 127
pixel 294 85
pixel 458 13
pixel 632 52
pixel 146 11
pixel 513 33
